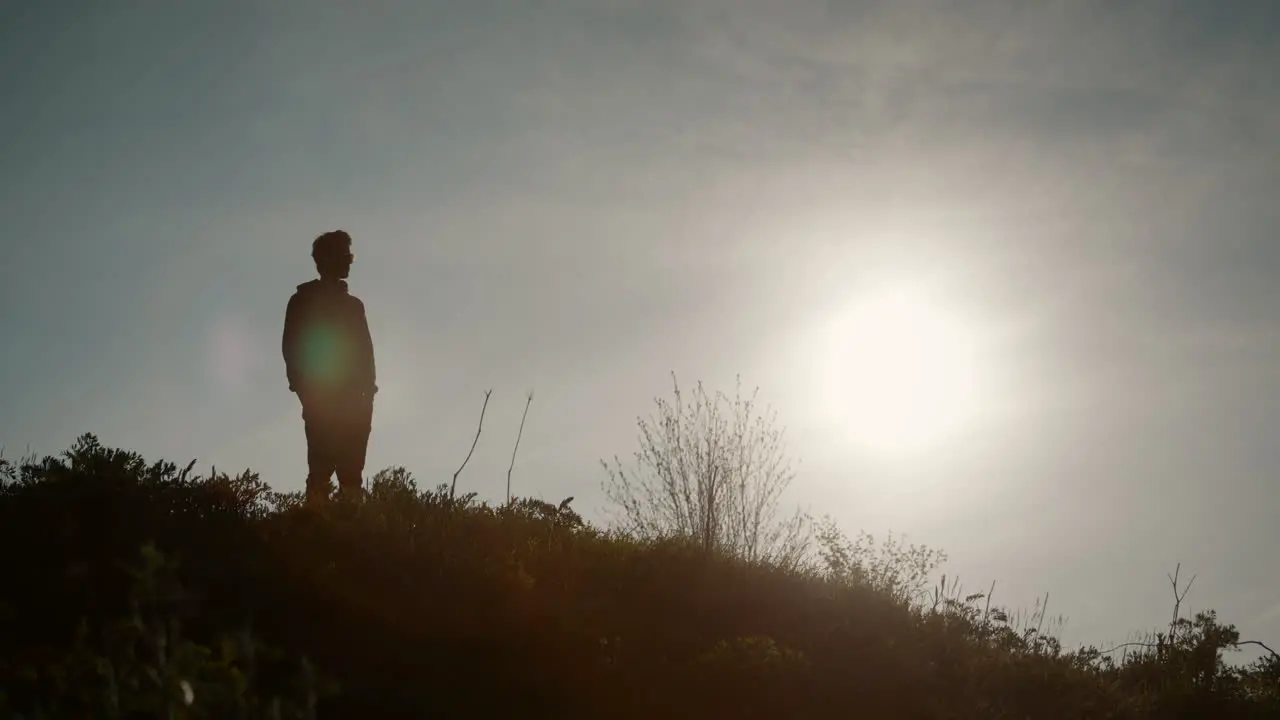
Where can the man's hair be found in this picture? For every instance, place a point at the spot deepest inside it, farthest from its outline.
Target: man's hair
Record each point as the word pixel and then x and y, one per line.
pixel 330 244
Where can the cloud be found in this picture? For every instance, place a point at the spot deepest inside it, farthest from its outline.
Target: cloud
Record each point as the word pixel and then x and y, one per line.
pixel 1140 75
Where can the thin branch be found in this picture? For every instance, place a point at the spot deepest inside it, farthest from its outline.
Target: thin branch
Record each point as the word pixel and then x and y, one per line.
pixel 1178 597
pixel 1157 646
pixel 986 612
pixel 454 486
pixel 1260 644
pixel 527 403
pixel 1121 646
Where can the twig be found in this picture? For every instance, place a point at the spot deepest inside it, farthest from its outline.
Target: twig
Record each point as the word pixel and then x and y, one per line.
pixel 987 610
pixel 1260 644
pixel 1177 598
pixel 1121 646
pixel 1157 646
pixel 454 485
pixel 527 403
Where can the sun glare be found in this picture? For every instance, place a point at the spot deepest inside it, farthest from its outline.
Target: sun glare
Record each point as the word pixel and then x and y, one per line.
pixel 903 372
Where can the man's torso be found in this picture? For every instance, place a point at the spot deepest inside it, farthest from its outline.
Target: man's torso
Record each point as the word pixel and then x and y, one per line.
pixel 330 339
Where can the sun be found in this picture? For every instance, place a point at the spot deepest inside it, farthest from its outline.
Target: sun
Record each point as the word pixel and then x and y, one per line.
pixel 903 372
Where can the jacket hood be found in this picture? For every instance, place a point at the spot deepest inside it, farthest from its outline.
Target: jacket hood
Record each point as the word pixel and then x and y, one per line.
pixel 321 285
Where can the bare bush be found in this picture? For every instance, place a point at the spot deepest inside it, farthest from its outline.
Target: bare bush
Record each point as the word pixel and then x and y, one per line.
pixel 711 470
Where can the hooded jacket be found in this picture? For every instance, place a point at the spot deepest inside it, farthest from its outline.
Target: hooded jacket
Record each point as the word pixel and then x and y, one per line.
pixel 326 342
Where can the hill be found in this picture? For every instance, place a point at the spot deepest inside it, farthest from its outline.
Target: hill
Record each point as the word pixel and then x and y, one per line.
pixel 137 589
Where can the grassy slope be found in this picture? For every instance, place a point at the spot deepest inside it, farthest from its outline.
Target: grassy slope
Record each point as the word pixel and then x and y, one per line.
pixel 416 605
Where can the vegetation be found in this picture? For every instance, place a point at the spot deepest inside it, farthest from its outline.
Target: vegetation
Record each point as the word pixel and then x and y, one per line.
pixel 711 476
pixel 140 590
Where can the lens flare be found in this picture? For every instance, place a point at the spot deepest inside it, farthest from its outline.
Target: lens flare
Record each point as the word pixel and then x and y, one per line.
pixel 234 353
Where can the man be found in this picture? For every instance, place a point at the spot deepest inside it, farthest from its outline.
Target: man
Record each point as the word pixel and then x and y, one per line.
pixel 328 357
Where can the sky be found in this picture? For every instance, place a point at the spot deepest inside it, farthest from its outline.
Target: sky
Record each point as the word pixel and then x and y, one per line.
pixel 580 197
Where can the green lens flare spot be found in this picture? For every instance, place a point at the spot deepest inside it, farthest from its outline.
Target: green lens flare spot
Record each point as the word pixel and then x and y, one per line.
pixel 324 357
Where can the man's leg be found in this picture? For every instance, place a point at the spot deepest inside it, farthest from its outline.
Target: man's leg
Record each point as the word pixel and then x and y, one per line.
pixel 320 454
pixel 357 422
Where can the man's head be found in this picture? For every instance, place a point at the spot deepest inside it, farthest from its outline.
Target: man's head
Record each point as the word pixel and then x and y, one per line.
pixel 333 256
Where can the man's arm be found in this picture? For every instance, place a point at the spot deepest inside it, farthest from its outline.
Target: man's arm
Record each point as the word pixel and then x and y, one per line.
pixel 289 341
pixel 369 374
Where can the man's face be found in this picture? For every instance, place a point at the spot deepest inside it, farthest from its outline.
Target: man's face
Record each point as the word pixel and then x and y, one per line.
pixel 338 265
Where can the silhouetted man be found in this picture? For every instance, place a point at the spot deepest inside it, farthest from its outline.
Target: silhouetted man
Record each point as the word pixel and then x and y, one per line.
pixel 328 357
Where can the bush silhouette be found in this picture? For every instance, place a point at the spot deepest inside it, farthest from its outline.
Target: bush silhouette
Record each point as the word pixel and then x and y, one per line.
pixel 139 589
